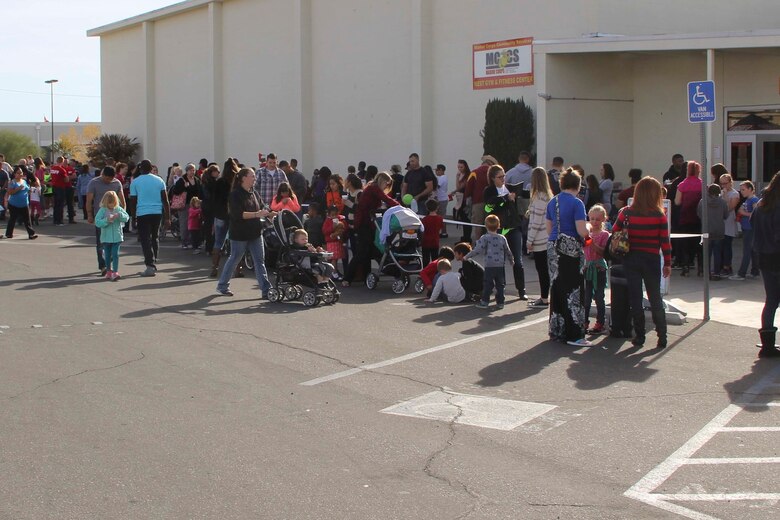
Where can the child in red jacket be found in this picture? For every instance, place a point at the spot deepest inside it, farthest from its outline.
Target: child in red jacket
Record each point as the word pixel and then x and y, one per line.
pixel 334 228
pixel 430 272
pixel 433 224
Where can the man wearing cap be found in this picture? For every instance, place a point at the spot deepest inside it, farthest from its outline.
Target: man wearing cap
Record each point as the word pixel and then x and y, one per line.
pixel 96 188
pixel 475 190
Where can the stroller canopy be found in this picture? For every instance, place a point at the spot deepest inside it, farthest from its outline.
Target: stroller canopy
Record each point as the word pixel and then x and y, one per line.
pixel 399 218
pixel 285 223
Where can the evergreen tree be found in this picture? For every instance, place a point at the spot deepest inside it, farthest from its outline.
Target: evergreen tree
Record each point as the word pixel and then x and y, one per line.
pixel 509 129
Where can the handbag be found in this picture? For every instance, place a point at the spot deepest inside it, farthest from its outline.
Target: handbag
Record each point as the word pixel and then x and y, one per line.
pixel 619 245
pixel 179 201
pixel 565 245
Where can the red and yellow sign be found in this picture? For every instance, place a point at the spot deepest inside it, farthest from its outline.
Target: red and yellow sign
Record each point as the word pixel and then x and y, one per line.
pixel 507 63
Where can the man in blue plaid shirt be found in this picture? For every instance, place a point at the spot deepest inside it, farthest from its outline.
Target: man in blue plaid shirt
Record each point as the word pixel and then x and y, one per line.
pixel 269 177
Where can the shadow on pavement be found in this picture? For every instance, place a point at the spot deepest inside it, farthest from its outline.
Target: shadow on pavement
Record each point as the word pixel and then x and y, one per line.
pixel 737 389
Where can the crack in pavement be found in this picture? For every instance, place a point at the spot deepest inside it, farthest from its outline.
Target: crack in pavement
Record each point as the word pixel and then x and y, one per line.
pixel 261 339
pixel 449 443
pixel 532 504
pixel 69 376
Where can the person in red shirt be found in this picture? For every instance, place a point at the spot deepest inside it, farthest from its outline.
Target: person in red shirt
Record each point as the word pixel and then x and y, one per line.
pixel 374 194
pixel 433 223
pixel 635 174
pixel 61 174
pixel 475 188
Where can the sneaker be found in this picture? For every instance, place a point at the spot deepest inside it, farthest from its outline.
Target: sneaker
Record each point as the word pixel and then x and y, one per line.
pixel 60 224
pixel 499 306
pixel 482 305
pixel 444 235
pixel 225 292
pixel 184 246
pixel 638 341
pixel 715 278
pixel 213 273
pixel 737 277
pixel 580 343
pixel 33 236
pixel 598 329
pixel 149 271
pixel 752 276
pixel 524 296
pixel 103 271
pixel 109 274
pixel 115 276
pixel 538 303
pixel 196 251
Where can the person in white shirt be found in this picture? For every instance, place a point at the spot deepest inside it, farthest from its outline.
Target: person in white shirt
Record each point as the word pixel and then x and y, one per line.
pixel 447 284
pixel 442 195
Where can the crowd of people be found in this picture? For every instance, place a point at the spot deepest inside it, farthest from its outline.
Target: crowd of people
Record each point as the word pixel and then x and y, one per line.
pixel 566 221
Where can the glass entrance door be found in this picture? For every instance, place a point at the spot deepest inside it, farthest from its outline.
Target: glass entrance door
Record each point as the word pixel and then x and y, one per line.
pixel 769 146
pixel 741 156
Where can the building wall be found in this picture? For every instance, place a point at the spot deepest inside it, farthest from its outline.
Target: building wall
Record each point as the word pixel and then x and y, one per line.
pixel 260 79
pixel 338 81
pixel 122 63
pixel 182 87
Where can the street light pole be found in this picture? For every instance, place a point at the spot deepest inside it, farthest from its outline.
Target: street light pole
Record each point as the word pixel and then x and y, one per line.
pixel 51 83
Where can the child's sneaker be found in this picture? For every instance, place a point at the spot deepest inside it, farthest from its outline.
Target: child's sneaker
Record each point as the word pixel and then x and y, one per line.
pixel 482 305
pixel 538 303
pixel 580 343
pixel 109 274
pixel 598 329
pixel 115 276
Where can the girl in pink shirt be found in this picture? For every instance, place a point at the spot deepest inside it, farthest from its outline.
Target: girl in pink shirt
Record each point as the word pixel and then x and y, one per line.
pixel 596 266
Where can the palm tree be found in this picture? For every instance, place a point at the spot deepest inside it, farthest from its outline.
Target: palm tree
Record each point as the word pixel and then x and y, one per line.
pixel 116 146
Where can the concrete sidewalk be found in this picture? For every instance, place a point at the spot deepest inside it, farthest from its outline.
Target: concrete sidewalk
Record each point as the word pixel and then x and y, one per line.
pixel 731 302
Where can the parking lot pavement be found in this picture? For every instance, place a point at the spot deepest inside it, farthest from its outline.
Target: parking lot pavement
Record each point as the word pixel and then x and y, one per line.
pixel 152 398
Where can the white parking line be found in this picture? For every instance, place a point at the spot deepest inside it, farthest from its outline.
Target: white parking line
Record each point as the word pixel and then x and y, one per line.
pixel 413 355
pixel 643 490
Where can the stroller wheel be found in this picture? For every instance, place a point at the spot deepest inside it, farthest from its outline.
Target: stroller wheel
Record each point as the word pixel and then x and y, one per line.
pixel 399 286
pixel 419 286
pixel 336 296
pixel 291 293
pixel 298 291
pixel 328 297
pixel 249 262
pixel 275 295
pixel 372 280
pixel 310 299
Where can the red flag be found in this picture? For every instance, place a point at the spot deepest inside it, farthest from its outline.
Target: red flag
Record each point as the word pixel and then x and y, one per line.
pixel 78 119
pixel 45 120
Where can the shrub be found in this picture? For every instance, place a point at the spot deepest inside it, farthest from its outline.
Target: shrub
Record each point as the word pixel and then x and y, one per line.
pixel 509 129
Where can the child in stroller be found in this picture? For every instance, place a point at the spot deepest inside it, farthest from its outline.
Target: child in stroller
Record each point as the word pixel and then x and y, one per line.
pixel 300 251
pixel 302 270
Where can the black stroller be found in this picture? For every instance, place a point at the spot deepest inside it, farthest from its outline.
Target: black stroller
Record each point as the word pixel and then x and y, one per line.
pixel 289 279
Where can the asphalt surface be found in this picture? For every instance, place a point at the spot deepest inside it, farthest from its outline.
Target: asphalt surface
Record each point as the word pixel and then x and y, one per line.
pixel 157 398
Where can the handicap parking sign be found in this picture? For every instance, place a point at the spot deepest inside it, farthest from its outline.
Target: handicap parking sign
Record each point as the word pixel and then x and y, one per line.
pixel 701 101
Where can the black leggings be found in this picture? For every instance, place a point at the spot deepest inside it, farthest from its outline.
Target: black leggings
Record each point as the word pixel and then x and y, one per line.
pixel 540 261
pixel 364 252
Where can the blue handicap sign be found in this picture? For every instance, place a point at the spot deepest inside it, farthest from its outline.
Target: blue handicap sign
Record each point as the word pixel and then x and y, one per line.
pixel 701 101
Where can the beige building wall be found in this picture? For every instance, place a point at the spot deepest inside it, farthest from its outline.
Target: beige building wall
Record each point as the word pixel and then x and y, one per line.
pixel 122 68
pixel 338 81
pixel 181 88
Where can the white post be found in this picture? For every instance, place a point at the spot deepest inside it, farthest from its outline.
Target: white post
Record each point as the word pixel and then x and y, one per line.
pixel 705 178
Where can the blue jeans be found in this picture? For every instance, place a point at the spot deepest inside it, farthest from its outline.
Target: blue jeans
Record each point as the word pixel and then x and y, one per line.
pixel 237 250
pixel 494 276
pixel 716 256
pixel 748 256
pixel 111 251
pixel 220 233
pixel 596 293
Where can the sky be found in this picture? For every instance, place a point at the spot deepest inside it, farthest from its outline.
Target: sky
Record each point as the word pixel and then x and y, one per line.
pixel 47 39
